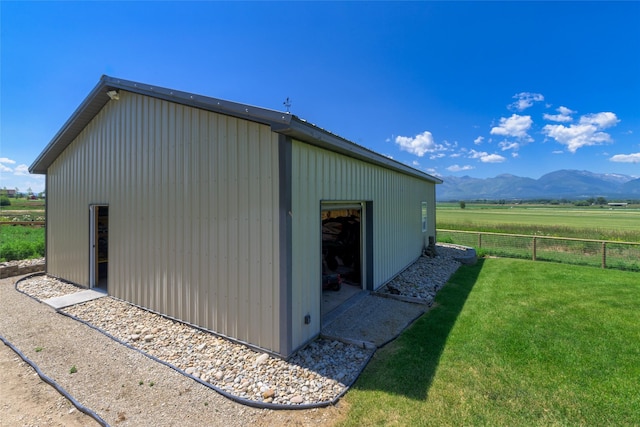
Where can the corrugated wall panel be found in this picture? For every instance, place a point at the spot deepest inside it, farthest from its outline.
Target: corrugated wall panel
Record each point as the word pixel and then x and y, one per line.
pixel 193 214
pixel 319 175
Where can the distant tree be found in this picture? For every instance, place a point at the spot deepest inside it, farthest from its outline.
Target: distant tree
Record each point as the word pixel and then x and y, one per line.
pixel 601 201
pixel 462 204
pixel 4 201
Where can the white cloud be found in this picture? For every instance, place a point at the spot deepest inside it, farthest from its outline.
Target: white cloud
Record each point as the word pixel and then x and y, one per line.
pixel 565 111
pixel 514 154
pixel 7 161
pixel 626 158
pixel 436 156
pixel 509 145
pixel 473 154
pixel 4 168
pixel 524 100
pixel 420 144
pixel 415 163
pixel 515 126
pixel 557 118
pixel 21 170
pixel 587 132
pixel 557 152
pixel 564 116
pixel 492 158
pixel 602 120
pixel 458 168
pixel 486 157
pixel 478 140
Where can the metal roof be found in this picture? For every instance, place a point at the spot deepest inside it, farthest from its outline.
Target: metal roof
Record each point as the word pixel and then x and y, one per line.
pixel 280 122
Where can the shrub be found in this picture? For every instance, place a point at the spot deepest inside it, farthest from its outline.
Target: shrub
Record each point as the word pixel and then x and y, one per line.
pixel 4 201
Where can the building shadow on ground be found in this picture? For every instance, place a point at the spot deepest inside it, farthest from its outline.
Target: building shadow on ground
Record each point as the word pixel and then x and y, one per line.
pixel 408 365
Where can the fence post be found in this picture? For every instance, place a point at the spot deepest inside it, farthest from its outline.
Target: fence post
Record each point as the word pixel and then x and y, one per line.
pixel 604 255
pixel 479 240
pixel 534 247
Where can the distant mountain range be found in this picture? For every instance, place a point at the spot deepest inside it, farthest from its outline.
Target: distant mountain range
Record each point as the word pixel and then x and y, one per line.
pixel 562 184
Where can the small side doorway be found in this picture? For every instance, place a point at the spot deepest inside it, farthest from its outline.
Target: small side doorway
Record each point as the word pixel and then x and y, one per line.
pixel 99 246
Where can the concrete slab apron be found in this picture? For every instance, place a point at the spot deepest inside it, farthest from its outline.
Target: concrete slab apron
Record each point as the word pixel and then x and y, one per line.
pixel 73 299
pixel 373 320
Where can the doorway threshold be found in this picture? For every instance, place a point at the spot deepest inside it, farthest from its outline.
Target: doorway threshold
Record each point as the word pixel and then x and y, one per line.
pixel 75 298
pixel 336 312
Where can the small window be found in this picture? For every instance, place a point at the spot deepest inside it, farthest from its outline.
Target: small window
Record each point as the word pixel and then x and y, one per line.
pixel 424 217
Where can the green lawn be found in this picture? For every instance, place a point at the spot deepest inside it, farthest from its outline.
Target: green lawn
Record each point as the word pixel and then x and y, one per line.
pixel 512 343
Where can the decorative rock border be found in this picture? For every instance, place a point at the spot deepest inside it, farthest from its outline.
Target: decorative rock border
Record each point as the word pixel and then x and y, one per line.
pixel 465 254
pixel 18 268
pixel 317 375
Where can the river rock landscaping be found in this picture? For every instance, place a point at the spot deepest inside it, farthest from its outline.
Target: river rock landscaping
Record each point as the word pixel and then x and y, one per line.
pixel 316 375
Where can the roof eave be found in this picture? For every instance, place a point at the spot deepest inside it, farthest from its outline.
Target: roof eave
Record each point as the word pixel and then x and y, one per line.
pixel 283 123
pixel 72 127
pixel 311 134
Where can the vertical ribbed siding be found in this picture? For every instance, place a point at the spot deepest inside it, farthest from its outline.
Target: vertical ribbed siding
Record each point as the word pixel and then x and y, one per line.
pixel 193 214
pixel 319 175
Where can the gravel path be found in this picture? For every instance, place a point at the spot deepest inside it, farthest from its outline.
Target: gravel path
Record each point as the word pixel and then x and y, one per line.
pixel 321 372
pixel 120 384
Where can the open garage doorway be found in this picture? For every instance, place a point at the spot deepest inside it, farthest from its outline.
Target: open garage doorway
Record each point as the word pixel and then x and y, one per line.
pixel 343 255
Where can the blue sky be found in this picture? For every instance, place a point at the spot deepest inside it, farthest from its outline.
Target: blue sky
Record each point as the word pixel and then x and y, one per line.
pixel 451 88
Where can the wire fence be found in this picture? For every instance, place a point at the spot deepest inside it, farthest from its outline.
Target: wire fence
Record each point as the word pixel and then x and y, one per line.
pixel 599 253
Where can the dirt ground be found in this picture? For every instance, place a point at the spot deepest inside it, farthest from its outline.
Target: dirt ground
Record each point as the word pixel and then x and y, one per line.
pixel 26 400
pixel 107 381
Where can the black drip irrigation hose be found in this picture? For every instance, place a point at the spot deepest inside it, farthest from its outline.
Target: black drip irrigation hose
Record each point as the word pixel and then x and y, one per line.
pixel 55 385
pixel 238 399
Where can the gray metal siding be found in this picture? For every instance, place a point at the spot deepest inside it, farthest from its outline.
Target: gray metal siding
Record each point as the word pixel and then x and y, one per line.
pixel 194 219
pixel 321 175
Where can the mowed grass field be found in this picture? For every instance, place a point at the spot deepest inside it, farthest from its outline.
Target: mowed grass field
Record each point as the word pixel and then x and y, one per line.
pixel 512 343
pixel 617 224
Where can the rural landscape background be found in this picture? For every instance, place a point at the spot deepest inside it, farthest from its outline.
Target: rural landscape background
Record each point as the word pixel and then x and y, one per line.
pixel 564 184
pixel 541 331
pixel 508 341
pixel 528 111
pixel 594 217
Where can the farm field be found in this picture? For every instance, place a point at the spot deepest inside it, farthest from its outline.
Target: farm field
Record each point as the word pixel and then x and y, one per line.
pixel 19 242
pixel 21 207
pixel 617 224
